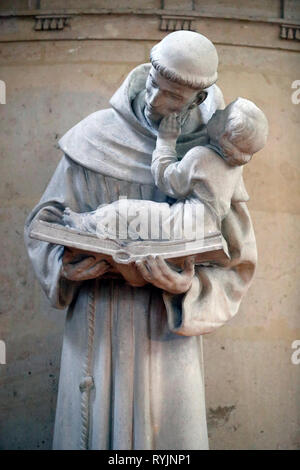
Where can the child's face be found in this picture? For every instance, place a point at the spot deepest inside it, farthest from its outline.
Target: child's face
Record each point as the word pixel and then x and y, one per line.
pixel 217 123
pixel 216 128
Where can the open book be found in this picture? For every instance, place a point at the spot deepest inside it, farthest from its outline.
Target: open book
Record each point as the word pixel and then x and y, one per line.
pixel 209 250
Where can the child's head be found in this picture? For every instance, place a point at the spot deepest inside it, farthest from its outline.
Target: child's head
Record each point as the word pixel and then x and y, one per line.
pixel 240 130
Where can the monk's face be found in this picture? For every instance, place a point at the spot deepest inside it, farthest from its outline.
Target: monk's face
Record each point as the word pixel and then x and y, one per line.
pixel 164 97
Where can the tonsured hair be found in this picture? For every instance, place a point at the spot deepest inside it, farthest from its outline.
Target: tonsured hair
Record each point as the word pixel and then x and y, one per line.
pixel 191 82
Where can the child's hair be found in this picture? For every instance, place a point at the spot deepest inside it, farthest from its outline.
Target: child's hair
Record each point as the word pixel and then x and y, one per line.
pixel 246 131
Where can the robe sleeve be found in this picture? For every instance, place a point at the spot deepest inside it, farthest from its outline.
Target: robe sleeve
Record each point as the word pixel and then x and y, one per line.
pixel 216 292
pixel 46 258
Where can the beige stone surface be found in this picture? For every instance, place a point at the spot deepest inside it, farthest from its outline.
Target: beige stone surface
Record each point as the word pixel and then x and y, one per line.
pixel 141 27
pixel 252 386
pixel 255 8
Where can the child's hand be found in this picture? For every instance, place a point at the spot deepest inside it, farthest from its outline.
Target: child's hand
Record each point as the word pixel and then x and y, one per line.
pixel 169 128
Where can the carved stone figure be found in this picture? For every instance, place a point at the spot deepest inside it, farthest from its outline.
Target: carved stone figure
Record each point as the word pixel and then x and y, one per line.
pixel 131 370
pixel 209 175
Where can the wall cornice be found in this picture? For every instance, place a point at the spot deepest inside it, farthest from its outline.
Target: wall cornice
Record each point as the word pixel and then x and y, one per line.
pixel 150 24
pixel 143 12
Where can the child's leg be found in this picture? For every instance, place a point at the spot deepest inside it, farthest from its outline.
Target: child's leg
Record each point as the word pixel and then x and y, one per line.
pixel 79 221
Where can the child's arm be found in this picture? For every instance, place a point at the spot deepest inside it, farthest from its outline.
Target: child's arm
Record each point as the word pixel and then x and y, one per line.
pixel 173 177
pixel 201 171
pixel 164 157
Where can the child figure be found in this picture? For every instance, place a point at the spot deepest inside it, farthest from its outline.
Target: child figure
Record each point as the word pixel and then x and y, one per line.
pixel 209 175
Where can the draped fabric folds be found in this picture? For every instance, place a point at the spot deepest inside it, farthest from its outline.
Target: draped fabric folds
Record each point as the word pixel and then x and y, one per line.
pixel 131 370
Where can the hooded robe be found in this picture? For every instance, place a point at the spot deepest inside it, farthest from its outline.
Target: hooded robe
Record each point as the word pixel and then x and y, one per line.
pixel 132 369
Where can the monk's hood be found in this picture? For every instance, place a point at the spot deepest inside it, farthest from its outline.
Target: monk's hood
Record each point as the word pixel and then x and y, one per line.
pixel 116 143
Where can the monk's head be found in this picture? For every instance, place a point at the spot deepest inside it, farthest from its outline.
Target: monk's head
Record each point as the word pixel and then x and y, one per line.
pixel 184 64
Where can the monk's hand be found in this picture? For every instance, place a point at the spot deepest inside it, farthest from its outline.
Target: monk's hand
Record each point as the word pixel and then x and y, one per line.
pixel 157 272
pixel 79 267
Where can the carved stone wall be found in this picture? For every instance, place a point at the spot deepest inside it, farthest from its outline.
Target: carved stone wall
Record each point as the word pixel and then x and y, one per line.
pixel 57 74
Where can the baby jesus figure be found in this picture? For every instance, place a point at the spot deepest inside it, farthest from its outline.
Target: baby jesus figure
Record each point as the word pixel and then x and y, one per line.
pixel 202 183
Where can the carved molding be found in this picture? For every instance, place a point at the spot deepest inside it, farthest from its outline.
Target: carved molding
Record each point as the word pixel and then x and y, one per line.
pixel 290 32
pixel 175 23
pixel 51 22
pixel 69 26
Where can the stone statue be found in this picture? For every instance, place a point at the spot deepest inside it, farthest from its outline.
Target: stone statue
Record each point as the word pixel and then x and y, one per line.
pixel 202 177
pixel 131 370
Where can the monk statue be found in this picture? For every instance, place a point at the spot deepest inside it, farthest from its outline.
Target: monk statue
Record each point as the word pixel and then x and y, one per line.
pixel 131 369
